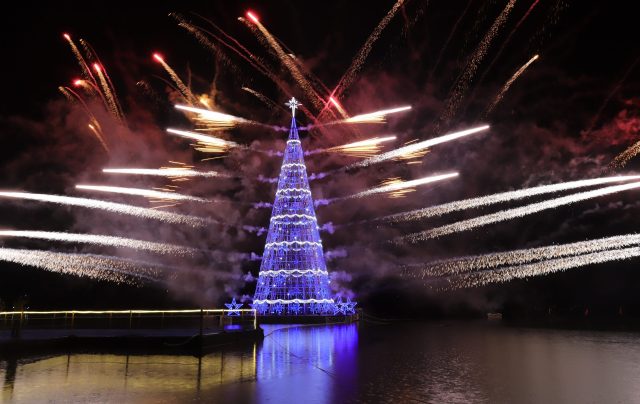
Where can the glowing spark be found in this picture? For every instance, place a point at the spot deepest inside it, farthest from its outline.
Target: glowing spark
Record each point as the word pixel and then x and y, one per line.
pixel 375 117
pixel 415 147
pixel 164 172
pixel 84 265
pixel 186 92
pixel 363 148
pixel 504 215
pixel 111 241
pixel 624 157
pixel 338 107
pixel 541 268
pixel 113 207
pixel 517 257
pixel 148 193
pixel 394 186
pixel 508 84
pixel 509 196
pixel 252 17
pixel 208 144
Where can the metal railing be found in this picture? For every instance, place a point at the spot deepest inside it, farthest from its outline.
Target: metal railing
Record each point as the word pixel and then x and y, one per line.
pixel 197 319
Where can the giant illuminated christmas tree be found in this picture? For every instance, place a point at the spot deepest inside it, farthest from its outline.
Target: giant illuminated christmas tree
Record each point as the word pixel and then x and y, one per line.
pixel 293 278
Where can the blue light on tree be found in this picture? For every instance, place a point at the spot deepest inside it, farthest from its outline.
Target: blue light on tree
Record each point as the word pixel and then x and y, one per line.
pixel 293 278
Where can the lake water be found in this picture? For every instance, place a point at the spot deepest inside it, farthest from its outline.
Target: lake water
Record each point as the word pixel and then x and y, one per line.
pixel 407 362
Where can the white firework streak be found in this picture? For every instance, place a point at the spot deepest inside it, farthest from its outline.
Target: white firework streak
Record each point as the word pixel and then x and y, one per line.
pixel 164 172
pixel 84 265
pixel 540 268
pixel 209 140
pixel 514 213
pixel 112 241
pixel 375 117
pixel 416 147
pixel 400 185
pixel 489 261
pixel 439 210
pixel 113 207
pixel 149 193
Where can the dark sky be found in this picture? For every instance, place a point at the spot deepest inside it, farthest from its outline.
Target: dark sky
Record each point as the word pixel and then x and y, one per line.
pixel 566 118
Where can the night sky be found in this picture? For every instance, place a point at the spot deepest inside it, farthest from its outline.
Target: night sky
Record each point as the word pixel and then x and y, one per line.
pixel 564 119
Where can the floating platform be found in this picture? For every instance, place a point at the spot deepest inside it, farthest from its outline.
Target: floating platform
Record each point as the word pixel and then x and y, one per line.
pixel 309 319
pixel 148 340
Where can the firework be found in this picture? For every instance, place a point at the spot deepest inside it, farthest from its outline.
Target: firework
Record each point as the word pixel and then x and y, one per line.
pixel 108 93
pixel 93 125
pixel 363 148
pixel 517 257
pixel 148 193
pixel 375 117
pixel 462 84
pixel 162 248
pixel 541 268
pixel 207 144
pixel 184 90
pixel 351 73
pixel 84 67
pixel 287 62
pixel 504 215
pixel 396 188
pixel 508 84
pixel 213 120
pixel 85 265
pixel 509 196
pixel 507 40
pixel 171 172
pixel 113 207
pixel 446 43
pixel 266 100
pixel 409 150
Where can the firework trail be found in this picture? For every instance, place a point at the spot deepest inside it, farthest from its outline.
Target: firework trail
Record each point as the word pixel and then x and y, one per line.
pixel 113 107
pixel 111 90
pixel 84 67
pixel 214 120
pixel 315 99
pixel 507 40
pixel 148 193
pixel 508 84
pixel 171 172
pixel 516 257
pixel 266 100
pixel 111 241
pixel 204 41
pixel 509 196
pixel 85 265
pixel 94 125
pixel 349 76
pixel 446 43
pixel 207 144
pixel 462 83
pixel 363 148
pixel 624 157
pixel 415 147
pixel 375 117
pixel 540 268
pixel 113 207
pixel 184 90
pixel 504 215
pixel 395 187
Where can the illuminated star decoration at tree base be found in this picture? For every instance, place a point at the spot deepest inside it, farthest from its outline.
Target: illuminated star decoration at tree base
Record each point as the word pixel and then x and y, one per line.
pixel 234 308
